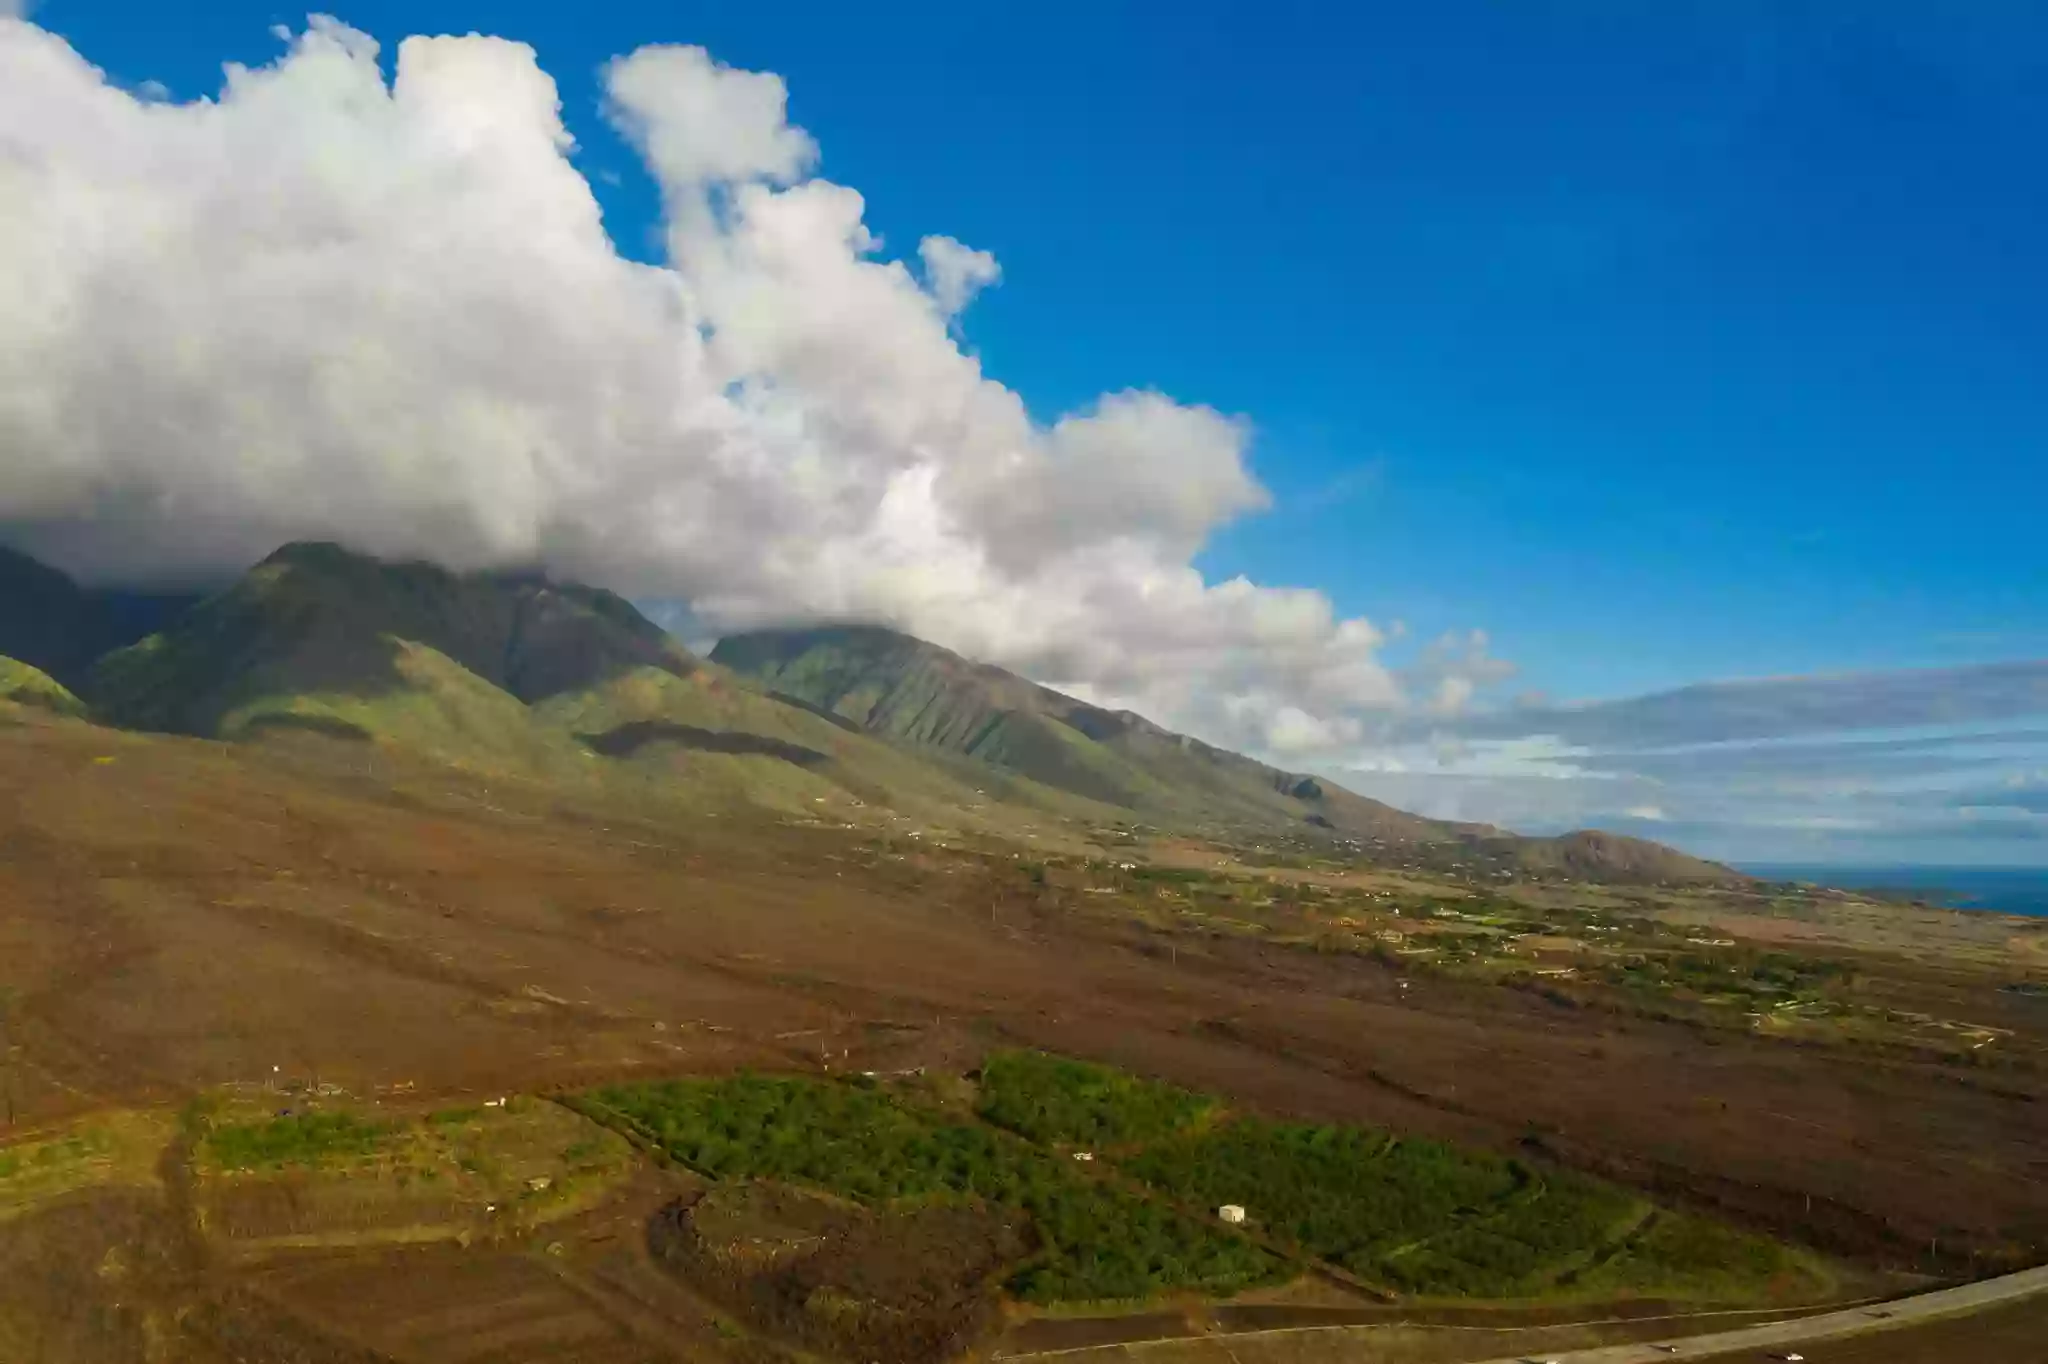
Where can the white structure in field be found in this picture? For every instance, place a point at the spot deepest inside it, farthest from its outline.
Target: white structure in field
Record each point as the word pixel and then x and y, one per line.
pixel 1231 1213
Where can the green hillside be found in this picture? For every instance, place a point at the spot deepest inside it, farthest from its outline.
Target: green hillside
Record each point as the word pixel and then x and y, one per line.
pixel 718 735
pixel 518 675
pixel 316 620
pixel 430 705
pixel 920 695
pixel 22 685
pixel 935 702
pixel 557 682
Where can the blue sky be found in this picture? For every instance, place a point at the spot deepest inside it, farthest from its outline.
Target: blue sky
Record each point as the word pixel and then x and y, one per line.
pixel 1667 344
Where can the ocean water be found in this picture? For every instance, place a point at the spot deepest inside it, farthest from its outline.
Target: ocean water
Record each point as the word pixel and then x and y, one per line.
pixel 2006 890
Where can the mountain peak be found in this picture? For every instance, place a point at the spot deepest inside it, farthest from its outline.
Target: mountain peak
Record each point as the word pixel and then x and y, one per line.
pixel 316 617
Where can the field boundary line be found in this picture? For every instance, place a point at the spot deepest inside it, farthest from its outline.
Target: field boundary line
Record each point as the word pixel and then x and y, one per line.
pixel 1834 1321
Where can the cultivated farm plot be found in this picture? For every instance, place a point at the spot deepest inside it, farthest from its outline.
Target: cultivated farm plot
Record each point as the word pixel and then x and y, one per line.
pixel 1054 1100
pixel 1136 1218
pixel 460 1308
pixel 1427 1217
pixel 1439 1221
pixel 335 1177
pixel 104 1149
pixel 1099 1241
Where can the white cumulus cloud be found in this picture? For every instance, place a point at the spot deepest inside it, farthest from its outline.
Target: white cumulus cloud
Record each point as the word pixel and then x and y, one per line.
pixel 956 273
pixel 327 304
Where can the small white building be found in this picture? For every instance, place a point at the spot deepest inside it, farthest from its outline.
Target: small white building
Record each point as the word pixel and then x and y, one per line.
pixel 1231 1213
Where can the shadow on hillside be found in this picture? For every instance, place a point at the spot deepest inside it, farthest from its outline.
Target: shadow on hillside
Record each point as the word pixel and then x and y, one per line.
pixel 628 739
pixel 330 726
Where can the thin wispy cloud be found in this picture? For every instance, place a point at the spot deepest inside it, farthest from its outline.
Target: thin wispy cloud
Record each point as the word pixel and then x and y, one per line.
pixel 1802 768
pixel 1778 708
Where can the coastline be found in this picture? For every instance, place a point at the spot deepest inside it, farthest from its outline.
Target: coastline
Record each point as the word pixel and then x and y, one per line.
pixel 1995 890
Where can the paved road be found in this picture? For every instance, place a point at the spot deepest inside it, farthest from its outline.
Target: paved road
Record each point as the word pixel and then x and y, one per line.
pixel 1780 1337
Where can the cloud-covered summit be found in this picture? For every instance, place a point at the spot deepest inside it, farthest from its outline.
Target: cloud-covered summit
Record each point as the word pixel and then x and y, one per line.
pixel 326 305
pixel 330 304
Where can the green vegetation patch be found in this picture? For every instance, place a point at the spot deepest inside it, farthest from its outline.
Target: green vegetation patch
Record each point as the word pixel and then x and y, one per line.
pixel 27 686
pixel 1053 1099
pixel 305 1139
pixel 334 1174
pixel 1556 1224
pixel 1675 1255
pixel 119 1148
pixel 1348 1195
pixel 1098 1241
pixel 1745 977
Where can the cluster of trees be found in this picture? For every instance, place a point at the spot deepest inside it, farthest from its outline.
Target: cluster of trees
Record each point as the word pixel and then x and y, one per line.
pixel 1053 1099
pixel 1096 1241
pixel 1426 1216
pixel 1346 1194
pixel 1520 1249
pixel 1733 973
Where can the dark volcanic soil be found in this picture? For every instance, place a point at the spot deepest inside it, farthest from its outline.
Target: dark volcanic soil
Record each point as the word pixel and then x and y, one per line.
pixel 176 914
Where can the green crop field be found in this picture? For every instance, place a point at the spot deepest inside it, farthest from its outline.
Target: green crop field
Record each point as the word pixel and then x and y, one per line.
pixel 1098 1241
pixel 1348 1195
pixel 1053 1099
pixel 309 1139
pixel 1441 1221
pixel 1553 1224
pixel 1674 1255
pixel 1423 1217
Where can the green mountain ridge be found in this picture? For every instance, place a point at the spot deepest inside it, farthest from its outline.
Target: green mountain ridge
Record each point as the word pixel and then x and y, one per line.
pixel 508 673
pixel 918 694
pixel 317 619
pixel 22 685
pixel 934 700
pixel 559 682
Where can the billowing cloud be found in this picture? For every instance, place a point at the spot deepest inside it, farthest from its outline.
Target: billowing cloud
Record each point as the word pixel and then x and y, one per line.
pixel 328 304
pixel 955 273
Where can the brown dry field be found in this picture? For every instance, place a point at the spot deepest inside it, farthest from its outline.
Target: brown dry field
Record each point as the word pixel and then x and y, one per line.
pixel 177 915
